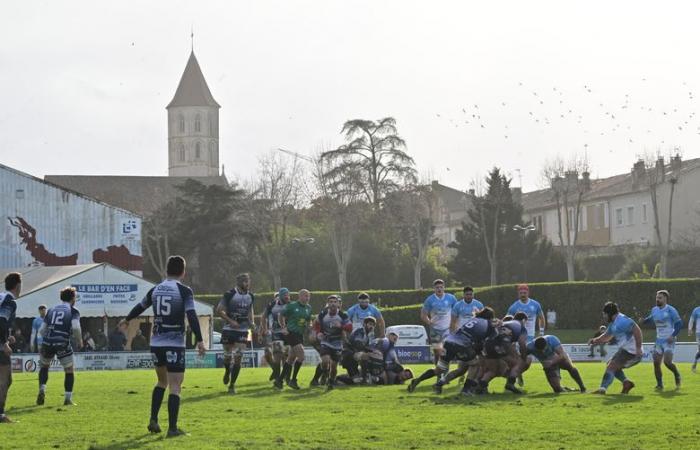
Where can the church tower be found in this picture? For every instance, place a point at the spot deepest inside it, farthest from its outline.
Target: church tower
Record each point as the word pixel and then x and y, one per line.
pixel 193 126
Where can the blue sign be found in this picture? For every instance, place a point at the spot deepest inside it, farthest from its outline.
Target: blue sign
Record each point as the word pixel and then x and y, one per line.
pixel 418 354
pixel 249 359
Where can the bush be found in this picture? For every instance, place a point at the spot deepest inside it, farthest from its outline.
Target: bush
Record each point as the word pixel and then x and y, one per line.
pixel 577 304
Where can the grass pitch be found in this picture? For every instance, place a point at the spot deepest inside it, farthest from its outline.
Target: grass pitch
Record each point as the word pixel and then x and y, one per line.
pixel 113 409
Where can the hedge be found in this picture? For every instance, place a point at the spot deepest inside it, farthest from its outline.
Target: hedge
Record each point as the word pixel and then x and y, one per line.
pixel 579 304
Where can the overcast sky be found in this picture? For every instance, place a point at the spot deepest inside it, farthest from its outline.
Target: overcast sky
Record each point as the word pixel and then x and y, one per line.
pixel 84 85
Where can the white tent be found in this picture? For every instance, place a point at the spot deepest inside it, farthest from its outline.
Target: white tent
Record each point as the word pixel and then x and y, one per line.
pixel 103 291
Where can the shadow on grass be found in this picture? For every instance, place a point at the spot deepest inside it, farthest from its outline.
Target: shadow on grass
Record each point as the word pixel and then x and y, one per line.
pixel 615 399
pixel 135 442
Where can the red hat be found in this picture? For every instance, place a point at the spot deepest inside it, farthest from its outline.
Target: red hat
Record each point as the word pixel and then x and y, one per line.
pixel 523 287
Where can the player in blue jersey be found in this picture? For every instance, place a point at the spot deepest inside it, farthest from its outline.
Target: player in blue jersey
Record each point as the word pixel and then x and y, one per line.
pixel 364 309
pixel 8 308
pixel 628 336
pixel 356 351
pixel 464 309
pixel 668 325
pixel 436 314
pixel 271 331
pixel 551 354
pixel 695 321
pixel 236 308
pixel 35 338
pixel 465 344
pixel 331 326
pixel 61 324
pixel 532 308
pixel 172 303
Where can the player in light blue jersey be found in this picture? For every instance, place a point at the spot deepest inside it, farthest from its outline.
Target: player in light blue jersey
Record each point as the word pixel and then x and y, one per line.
pixel 436 314
pixel 668 325
pixel 363 309
pixel 695 321
pixel 532 308
pixel 629 340
pixel 36 339
pixel 551 354
pixel 464 309
pixel 172 303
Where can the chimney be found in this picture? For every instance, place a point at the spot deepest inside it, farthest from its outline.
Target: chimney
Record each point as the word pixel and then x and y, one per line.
pixel 675 168
pixel 638 173
pixel 660 171
pixel 517 194
pixel 558 184
pixel 586 181
pixel 472 192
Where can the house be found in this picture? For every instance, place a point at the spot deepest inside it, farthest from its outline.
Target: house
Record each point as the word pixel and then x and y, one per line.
pixel 450 213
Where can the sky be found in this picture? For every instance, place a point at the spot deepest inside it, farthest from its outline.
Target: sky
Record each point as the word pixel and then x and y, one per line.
pixel 472 85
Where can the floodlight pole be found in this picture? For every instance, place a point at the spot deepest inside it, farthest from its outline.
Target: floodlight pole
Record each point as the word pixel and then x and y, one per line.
pixel 523 230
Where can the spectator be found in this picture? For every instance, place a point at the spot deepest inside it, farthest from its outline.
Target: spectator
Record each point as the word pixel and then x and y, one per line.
pixel 600 332
pixel 88 343
pixel 20 344
pixel 117 340
pixel 36 339
pixel 100 341
pixel 139 342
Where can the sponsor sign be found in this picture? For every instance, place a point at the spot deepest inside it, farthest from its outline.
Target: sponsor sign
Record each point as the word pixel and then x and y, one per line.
pixel 105 294
pixel 130 229
pixel 251 358
pixel 413 354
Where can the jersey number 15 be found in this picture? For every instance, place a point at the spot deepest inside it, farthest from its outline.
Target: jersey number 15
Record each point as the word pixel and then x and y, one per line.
pixel 163 305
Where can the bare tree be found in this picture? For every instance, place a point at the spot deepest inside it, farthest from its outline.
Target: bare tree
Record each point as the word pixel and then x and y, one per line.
pixel 340 203
pixel 567 192
pixel 277 194
pixel 377 153
pixel 157 230
pixel 411 211
pixel 654 177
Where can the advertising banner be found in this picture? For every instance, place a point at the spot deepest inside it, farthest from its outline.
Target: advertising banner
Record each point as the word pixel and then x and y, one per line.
pixel 413 355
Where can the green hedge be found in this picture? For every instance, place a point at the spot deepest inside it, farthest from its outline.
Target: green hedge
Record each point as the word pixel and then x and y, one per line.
pixel 578 304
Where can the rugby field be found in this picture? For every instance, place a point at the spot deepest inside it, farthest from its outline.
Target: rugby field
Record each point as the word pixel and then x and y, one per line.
pixel 113 409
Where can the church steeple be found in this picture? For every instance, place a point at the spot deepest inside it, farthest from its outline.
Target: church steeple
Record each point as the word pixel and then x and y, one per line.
pixel 193 126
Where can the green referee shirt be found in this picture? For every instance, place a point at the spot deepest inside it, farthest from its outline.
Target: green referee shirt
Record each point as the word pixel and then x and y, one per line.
pixel 298 316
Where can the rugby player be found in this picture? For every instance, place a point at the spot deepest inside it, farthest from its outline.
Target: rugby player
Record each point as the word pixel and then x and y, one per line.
pixel 172 301
pixel 668 325
pixel 35 339
pixel 61 323
pixel 436 314
pixel 464 309
pixel 236 308
pixel 695 321
pixel 8 308
pixel 331 326
pixel 272 331
pixel 510 334
pixel 356 351
pixel 294 319
pixel 629 340
pixel 551 354
pixel 462 345
pixel 535 315
pixel 363 309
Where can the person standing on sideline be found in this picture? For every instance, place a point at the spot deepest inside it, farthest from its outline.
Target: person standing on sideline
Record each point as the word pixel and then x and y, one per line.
pixel 8 308
pixel 35 340
pixel 695 321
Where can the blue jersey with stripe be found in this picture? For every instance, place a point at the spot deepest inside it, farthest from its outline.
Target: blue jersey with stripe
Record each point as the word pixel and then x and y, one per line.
pixel 60 321
pixel 36 326
pixel 463 311
pixel 8 309
pixel 665 320
pixel 695 319
pixel 439 309
pixel 622 329
pixel 553 343
pixel 532 308
pixel 170 301
pixel 357 314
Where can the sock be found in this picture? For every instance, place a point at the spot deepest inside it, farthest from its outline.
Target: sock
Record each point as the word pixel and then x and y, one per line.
pixel 659 378
pixel 697 356
pixel 608 378
pixel 235 370
pixel 428 374
pixel 672 367
pixel 317 374
pixel 173 410
pixel 286 370
pixel 42 388
pixel 68 382
pixel 43 377
pixel 275 370
pixel 620 375
pixel 297 366
pixel 577 378
pixel 510 380
pixel 156 401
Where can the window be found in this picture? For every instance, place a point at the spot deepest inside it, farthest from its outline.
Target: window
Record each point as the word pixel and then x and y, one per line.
pixel 212 154
pixel 644 213
pixel 181 153
pixel 619 221
pixel 582 225
pixel 19 194
pixel 571 223
pixel 630 216
pixel 197 123
pixel 211 124
pixel 181 122
pixel 197 150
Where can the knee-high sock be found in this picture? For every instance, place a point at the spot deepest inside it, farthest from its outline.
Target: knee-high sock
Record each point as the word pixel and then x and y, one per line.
pixel 577 378
pixel 275 369
pixel 173 410
pixel 428 374
pixel 68 383
pixel 297 366
pixel 156 401
pixel 697 356
pixel 43 378
pixel 317 374
pixel 286 370
pixel 659 376
pixel 620 375
pixel 672 367
pixel 607 380
pixel 235 370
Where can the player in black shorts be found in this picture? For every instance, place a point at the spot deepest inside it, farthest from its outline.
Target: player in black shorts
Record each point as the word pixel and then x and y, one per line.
pixel 171 301
pixel 331 326
pixel 61 323
pixel 236 308
pixel 8 307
